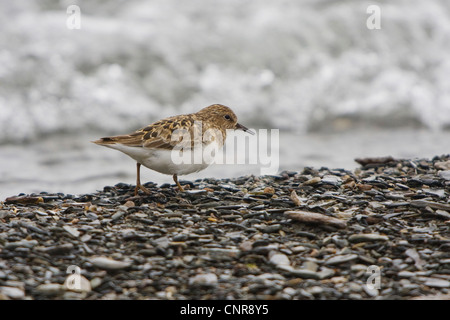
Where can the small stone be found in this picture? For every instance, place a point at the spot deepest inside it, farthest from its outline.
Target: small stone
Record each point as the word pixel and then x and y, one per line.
pixel 129 204
pixel 413 254
pixel 269 190
pixel 4 214
pixel 118 215
pixel 222 254
pixel 371 291
pixel 91 215
pixel 86 237
pixel 41 213
pixel 435 192
pixel 432 204
pixel 325 273
pixel 21 244
pixel 95 282
pixel 289 291
pixel 297 200
pixel 204 280
pixel 442 165
pixel 313 181
pixel 302 273
pixel 358 267
pixel 24 200
pixel 364 187
pixel 12 292
pixel 355 287
pixel 333 180
pixel 50 288
pixel 196 193
pixel 341 259
pixel 108 264
pixel 246 245
pixel 60 249
pixel 367 237
pixel 268 228
pixel 72 231
pixel 311 265
pixel 315 290
pixel 339 242
pixel 298 249
pixel 376 205
pixel 437 283
pixel 162 242
pixel 148 252
pixel 406 274
pixel 442 214
pixel 279 259
pixel 315 218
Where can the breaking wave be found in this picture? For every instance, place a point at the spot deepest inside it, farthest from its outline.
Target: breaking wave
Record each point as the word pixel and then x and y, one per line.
pixel 294 65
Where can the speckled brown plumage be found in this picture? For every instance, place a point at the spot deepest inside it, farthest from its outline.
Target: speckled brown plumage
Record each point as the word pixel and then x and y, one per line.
pixel 159 134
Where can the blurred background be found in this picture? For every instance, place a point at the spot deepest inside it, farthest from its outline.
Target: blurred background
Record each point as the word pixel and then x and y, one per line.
pixel 311 68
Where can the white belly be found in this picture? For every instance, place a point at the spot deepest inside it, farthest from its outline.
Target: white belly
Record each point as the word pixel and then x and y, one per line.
pixel 165 161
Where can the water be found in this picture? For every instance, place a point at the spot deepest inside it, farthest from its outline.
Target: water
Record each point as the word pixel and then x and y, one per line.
pixel 312 69
pixel 71 164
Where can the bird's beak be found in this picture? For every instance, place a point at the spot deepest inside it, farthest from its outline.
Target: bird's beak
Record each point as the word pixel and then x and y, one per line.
pixel 243 128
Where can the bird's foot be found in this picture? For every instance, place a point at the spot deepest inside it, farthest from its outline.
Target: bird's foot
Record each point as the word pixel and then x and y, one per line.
pixel 141 187
pixel 180 187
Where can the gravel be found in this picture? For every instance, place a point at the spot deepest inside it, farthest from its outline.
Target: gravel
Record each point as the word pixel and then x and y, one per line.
pixel 315 234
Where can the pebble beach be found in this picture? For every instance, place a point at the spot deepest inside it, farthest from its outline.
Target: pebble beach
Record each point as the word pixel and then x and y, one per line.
pixel 380 231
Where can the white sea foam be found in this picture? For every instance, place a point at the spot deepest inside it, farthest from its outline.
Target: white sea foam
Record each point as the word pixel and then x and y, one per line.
pixel 296 65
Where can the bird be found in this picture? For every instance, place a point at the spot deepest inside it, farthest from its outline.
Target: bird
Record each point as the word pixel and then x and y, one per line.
pixel 157 145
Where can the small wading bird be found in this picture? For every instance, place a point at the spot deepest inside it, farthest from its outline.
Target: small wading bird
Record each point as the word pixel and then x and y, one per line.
pixel 153 145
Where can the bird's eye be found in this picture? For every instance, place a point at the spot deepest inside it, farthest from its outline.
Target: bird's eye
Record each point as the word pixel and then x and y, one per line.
pixel 227 117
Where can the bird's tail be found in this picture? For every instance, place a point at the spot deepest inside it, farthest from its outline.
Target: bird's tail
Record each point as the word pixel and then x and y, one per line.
pixel 131 140
pixel 105 141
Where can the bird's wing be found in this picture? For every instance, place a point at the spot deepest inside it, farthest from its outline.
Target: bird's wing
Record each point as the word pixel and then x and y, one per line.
pixel 163 134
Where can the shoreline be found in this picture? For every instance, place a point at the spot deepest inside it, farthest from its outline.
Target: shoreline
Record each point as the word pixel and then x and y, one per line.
pixel 315 234
pixel 86 169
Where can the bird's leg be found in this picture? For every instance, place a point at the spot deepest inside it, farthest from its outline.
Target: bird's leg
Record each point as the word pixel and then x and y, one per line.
pixel 175 178
pixel 138 181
